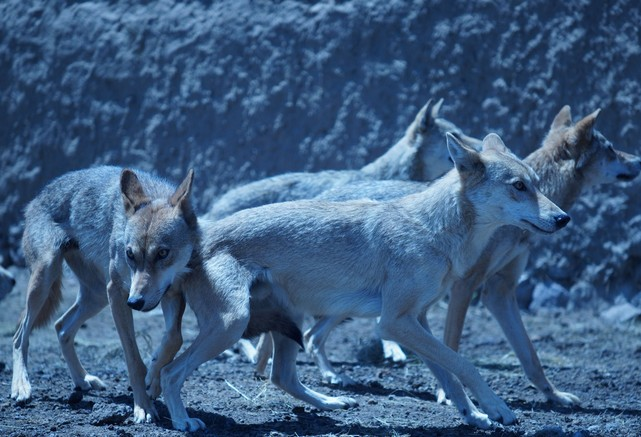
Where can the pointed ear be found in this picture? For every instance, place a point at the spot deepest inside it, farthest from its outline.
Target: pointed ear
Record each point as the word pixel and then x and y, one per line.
pixel 584 127
pixel 493 142
pixel 437 108
pixel 423 119
pixel 563 118
pixel 133 195
pixel 465 158
pixel 180 199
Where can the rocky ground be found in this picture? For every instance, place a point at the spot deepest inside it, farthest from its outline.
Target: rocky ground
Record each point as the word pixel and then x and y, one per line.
pixel 598 361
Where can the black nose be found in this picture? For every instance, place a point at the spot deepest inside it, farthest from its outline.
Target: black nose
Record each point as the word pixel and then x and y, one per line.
pixel 136 303
pixel 13 282
pixel 561 220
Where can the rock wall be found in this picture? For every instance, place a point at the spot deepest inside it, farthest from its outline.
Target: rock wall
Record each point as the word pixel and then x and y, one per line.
pixel 240 89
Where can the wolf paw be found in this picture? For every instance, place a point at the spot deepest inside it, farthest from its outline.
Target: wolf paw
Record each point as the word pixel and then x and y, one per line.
pixel 336 379
pixel 393 352
pixel 92 382
pixel 500 412
pixel 478 419
pixel 341 402
pixel 189 424
pixel 145 415
pixel 442 398
pixel 21 390
pixel 564 398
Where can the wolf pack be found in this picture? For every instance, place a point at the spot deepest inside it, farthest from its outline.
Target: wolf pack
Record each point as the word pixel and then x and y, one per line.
pixel 440 214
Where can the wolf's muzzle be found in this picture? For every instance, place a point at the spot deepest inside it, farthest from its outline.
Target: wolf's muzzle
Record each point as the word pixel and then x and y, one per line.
pixel 136 303
pixel 561 220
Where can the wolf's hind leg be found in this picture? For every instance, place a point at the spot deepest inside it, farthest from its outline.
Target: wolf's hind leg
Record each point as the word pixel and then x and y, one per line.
pixel 88 303
pixel 264 350
pixel 284 376
pixel 315 339
pixel 43 297
pixel 91 298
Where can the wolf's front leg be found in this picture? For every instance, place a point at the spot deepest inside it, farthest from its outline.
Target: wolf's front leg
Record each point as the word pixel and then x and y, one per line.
pixel 500 298
pixel 173 309
pixel 415 335
pixel 459 302
pixel 144 410
pixel 214 338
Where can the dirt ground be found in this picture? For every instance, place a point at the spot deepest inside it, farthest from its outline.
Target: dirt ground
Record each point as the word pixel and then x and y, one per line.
pixel 582 354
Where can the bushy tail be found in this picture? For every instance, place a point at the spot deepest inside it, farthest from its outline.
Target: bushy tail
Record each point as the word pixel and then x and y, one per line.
pixel 51 304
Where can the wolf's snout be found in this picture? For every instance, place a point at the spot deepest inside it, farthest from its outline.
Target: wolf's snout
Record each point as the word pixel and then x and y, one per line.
pixel 136 303
pixel 561 220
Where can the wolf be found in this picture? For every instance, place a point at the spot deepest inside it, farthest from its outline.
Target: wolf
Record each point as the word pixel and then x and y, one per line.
pixel 87 219
pixel 360 259
pixel 573 157
pixel 79 219
pixel 7 281
pixel 419 155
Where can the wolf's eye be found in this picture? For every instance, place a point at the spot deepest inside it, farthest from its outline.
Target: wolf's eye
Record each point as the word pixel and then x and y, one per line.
pixel 129 253
pixel 519 185
pixel 162 253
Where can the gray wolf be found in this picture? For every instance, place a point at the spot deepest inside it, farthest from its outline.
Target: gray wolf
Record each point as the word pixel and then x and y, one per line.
pixel 572 158
pixel 7 281
pixel 79 219
pixel 121 233
pixel 360 259
pixel 419 155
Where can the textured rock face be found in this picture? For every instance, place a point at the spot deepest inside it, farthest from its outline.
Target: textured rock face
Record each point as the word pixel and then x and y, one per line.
pixel 240 90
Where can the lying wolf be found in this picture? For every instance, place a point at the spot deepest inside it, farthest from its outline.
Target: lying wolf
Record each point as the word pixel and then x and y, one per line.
pixel 360 259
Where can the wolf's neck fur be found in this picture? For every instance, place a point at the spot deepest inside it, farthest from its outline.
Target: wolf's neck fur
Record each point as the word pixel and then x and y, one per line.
pixel 399 162
pixel 455 226
pixel 561 181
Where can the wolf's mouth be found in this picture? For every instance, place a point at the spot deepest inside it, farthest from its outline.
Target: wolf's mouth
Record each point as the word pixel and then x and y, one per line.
pixel 146 310
pixel 536 227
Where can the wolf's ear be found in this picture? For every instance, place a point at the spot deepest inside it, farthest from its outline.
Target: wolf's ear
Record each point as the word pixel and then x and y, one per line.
pixel 133 195
pixel 493 142
pixel 465 158
pixel 180 199
pixel 563 118
pixel 437 108
pixel 423 119
pixel 584 127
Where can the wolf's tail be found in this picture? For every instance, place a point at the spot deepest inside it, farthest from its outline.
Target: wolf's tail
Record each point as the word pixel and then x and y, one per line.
pixel 51 304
